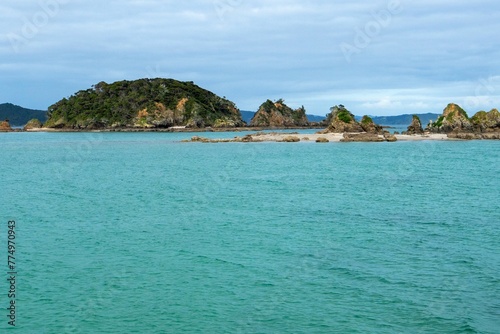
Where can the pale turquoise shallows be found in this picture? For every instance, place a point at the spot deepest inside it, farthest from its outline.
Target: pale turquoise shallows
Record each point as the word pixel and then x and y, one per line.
pixel 139 233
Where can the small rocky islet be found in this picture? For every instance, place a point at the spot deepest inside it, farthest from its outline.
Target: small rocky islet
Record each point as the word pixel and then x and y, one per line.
pixel 172 105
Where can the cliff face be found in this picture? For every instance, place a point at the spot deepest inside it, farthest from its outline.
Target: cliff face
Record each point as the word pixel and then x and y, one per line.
pixel 144 103
pixel 342 120
pixel 278 114
pixel 415 128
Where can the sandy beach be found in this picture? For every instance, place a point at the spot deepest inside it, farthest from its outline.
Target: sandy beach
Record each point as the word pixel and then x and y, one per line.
pixel 327 137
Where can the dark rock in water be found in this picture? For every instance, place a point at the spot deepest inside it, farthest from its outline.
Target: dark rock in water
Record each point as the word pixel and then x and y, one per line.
pixel 278 114
pixel 415 128
pixel 322 140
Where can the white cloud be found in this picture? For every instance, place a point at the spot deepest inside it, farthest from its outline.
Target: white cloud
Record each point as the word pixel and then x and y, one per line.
pixel 430 54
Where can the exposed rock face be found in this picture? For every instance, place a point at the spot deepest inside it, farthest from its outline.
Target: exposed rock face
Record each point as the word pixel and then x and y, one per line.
pixel 33 124
pixel 369 126
pixel 278 114
pixel 144 103
pixel 415 127
pixel 5 126
pixel 342 120
pixel 455 123
pixel 454 118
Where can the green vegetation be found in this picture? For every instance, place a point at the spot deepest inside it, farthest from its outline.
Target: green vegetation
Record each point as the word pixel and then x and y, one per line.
pixel 345 116
pixel 143 103
pixel 366 120
pixel 439 122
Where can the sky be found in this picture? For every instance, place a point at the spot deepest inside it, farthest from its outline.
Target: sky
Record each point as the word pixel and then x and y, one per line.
pixel 376 57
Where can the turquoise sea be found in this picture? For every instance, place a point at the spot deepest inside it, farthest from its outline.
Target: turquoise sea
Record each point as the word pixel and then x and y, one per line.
pixel 140 233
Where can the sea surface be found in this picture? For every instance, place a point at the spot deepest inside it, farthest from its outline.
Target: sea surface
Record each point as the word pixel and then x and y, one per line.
pixel 140 233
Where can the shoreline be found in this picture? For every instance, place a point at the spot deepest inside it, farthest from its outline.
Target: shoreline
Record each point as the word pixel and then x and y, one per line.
pixel 319 138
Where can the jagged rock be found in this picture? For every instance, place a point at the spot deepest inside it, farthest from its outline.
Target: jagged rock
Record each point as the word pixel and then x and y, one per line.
pixel 322 140
pixel 390 138
pixel 342 120
pixel 278 114
pixel 5 126
pixel 415 128
pixel 484 121
pixel 454 118
pixel 369 126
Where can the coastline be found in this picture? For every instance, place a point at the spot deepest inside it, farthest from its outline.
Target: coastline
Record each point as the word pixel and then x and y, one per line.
pixel 316 137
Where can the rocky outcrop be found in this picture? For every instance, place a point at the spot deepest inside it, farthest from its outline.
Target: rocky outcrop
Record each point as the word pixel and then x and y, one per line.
pixel 278 114
pixel 415 128
pixel 290 139
pixel 143 103
pixel 33 124
pixel 456 124
pixel 342 120
pixel 322 140
pixel 5 126
pixel 369 126
pixel 484 121
pixel 454 118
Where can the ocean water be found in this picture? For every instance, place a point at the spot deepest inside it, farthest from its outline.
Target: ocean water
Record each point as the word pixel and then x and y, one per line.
pixel 139 233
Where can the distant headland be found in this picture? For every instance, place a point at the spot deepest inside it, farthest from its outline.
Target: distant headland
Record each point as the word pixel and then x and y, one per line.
pixel 172 105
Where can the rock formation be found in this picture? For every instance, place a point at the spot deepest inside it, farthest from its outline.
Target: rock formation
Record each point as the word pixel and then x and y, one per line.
pixel 456 124
pixel 5 126
pixel 415 128
pixel 342 120
pixel 33 124
pixel 369 126
pixel 484 121
pixel 454 118
pixel 278 114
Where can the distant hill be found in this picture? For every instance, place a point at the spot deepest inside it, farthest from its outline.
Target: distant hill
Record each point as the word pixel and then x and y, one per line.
pixel 143 103
pixel 19 116
pixel 247 115
pixel 402 120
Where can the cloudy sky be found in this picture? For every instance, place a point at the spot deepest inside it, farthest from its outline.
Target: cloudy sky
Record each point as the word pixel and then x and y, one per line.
pixel 377 57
